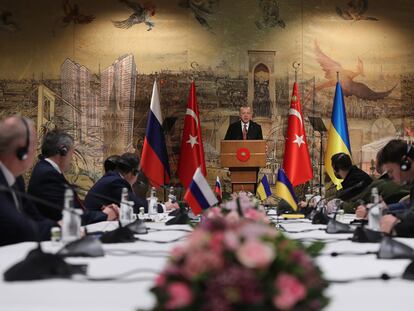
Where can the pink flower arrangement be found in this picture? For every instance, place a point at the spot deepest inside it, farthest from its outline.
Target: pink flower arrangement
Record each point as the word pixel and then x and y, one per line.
pixel 234 262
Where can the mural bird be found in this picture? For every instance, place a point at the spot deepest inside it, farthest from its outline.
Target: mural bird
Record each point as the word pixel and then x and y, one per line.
pixel 72 14
pixel 202 10
pixel 6 23
pixel 142 14
pixel 270 11
pixel 349 86
pixel 354 11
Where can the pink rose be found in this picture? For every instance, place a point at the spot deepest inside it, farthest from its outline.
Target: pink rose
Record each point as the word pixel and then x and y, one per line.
pixel 216 242
pixel 231 240
pixel 160 280
pixel 254 230
pixel 199 239
pixel 256 215
pixel 232 218
pixel 177 252
pixel 255 254
pixel 202 261
pixel 290 291
pixel 231 205
pixel 179 296
pixel 214 212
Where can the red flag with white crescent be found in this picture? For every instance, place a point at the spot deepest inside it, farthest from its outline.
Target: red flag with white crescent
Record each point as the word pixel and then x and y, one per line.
pixel 192 151
pixel 296 161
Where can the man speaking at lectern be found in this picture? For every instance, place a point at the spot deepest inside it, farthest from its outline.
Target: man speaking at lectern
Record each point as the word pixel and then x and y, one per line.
pixel 245 128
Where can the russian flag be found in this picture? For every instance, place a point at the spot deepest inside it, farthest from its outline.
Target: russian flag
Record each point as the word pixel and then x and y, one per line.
pixel 154 158
pixel 217 190
pixel 199 194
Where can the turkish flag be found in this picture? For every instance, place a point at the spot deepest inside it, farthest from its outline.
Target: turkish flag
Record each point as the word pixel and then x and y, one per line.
pixel 192 151
pixel 296 161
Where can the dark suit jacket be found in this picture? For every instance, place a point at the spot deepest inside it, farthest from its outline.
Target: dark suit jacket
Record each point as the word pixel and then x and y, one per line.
pixel 406 227
pixel 108 190
pixel 354 176
pixel 15 226
pixel 48 184
pixel 234 132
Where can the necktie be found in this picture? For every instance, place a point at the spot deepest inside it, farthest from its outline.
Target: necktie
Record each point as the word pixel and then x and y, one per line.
pixel 244 131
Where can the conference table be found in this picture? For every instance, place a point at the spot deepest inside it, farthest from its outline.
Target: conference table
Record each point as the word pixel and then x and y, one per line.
pixel 136 264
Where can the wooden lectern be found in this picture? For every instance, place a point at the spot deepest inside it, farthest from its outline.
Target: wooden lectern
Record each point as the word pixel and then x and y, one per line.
pixel 243 158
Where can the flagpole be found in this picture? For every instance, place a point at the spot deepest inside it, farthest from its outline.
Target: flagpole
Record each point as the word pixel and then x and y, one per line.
pixel 296 66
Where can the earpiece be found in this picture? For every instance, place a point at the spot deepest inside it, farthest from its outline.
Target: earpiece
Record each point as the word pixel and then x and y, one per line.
pixel 405 164
pixel 63 150
pixel 22 152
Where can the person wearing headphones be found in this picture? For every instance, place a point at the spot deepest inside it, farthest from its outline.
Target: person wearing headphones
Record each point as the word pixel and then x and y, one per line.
pixel 20 221
pixel 396 158
pixel 49 183
pixel 354 181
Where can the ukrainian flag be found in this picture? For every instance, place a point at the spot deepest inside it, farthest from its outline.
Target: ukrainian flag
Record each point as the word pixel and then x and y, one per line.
pixel 263 189
pixel 284 189
pixel 338 137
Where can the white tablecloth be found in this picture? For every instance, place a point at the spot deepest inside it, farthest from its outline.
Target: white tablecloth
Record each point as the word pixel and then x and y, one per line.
pixel 54 295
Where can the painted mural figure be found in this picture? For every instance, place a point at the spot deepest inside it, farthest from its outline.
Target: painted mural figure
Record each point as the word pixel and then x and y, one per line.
pixel 142 14
pixel 261 101
pixel 5 21
pixel 349 86
pixel 270 15
pixel 354 11
pixel 72 14
pixel 202 10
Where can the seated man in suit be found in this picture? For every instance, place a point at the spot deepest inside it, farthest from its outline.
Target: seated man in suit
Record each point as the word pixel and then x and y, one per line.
pixel 354 181
pixel 19 220
pixel 48 182
pixel 110 163
pixel 396 158
pixel 245 128
pixel 108 189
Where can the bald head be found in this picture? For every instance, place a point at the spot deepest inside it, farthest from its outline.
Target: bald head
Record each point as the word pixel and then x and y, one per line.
pixel 13 135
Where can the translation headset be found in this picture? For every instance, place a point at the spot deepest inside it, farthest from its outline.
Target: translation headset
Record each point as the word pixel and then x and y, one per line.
pixel 21 152
pixel 405 164
pixel 63 150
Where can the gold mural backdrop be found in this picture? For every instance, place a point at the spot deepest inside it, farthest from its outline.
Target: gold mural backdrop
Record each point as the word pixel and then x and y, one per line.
pixel 88 66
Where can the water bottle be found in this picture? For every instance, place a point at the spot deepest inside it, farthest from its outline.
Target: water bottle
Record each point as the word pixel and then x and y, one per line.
pixel 374 210
pixel 125 209
pixel 171 196
pixel 152 204
pixel 71 220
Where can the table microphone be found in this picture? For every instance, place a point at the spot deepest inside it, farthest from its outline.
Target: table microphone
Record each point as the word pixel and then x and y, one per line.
pixel 39 265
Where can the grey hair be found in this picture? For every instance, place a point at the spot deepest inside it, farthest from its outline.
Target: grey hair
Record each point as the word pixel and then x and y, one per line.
pixel 54 140
pixel 12 129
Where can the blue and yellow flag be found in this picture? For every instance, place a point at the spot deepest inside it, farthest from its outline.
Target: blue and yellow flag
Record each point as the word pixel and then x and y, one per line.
pixel 338 137
pixel 284 189
pixel 263 189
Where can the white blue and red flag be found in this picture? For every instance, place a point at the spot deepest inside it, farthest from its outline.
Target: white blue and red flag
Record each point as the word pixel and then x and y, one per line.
pixel 199 195
pixel 217 190
pixel 154 158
